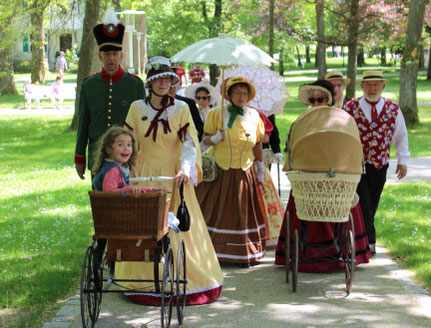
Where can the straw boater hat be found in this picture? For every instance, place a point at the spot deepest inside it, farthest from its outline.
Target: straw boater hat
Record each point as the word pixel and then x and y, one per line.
pixel 191 90
pixel 109 35
pixel 337 75
pixel 231 81
pixel 373 76
pixel 320 85
pixel 159 66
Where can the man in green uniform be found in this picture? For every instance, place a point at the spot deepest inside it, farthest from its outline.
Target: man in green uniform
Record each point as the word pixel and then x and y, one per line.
pixel 105 97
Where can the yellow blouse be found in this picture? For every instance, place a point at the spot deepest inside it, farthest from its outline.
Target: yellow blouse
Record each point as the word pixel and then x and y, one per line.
pixel 236 150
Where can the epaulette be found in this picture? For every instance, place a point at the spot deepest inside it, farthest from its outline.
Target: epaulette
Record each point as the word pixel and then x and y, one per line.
pixel 135 75
pixel 89 75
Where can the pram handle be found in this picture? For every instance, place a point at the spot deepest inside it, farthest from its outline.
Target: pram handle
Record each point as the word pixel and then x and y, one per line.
pixel 146 179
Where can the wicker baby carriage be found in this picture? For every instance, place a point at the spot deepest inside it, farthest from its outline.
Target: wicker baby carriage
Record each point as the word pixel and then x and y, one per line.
pixel 324 166
pixel 134 229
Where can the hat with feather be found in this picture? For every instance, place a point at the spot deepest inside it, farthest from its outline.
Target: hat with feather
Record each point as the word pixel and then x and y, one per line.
pixel 109 35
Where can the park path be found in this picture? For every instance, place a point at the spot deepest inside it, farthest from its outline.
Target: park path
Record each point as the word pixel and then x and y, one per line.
pixel 383 295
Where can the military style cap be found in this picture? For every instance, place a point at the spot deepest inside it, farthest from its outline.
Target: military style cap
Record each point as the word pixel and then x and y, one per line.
pixel 109 35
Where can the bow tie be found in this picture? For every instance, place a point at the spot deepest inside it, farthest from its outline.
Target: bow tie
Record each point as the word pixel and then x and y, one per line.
pixel 234 112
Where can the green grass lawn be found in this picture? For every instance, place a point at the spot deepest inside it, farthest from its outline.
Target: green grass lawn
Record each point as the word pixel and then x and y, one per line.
pixel 45 220
pixel 403 225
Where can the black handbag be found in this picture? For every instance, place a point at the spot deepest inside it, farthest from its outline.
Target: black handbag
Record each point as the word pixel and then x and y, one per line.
pixel 183 213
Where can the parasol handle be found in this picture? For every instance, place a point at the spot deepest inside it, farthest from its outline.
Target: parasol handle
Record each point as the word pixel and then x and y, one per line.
pixel 147 179
pixel 222 97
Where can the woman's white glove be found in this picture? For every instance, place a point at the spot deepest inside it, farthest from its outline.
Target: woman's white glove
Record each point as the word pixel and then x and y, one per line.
pixel 215 139
pixel 260 174
pixel 278 158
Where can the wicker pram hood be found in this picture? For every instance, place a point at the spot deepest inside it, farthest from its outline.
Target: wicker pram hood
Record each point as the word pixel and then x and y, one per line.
pixel 323 138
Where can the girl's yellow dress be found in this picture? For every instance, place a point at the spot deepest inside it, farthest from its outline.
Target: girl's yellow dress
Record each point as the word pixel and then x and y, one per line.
pixel 162 157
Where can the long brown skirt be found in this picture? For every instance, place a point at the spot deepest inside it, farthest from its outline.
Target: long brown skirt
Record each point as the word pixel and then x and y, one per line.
pixel 234 218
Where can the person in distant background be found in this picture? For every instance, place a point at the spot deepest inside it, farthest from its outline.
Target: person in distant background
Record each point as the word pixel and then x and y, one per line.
pixel 61 64
pixel 180 72
pixel 57 91
pixel 196 74
pixel 29 94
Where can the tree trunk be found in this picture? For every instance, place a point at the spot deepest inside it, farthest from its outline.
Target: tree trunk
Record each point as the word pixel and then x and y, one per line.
pixel 299 56
pixel 321 45
pixel 281 63
pixel 7 83
pixel 429 65
pixel 352 48
pixel 410 62
pixel 307 54
pixel 421 57
pixel 38 66
pixel 383 56
pixel 214 30
pixel 271 31
pixel 361 57
pixel 88 48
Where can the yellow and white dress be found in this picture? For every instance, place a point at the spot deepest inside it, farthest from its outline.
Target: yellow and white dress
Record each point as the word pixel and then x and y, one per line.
pixel 165 157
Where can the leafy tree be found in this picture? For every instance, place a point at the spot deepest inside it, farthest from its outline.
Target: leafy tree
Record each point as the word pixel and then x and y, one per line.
pixel 410 62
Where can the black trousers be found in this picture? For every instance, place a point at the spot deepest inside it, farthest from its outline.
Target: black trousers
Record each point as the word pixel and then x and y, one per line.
pixel 369 189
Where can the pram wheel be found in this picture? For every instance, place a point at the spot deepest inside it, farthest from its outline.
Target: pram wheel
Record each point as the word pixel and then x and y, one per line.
pixel 295 261
pixel 167 291
pixel 287 246
pixel 181 282
pixel 349 253
pixel 91 288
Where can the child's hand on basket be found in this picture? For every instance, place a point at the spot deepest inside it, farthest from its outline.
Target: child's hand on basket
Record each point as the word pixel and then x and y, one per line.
pixel 136 191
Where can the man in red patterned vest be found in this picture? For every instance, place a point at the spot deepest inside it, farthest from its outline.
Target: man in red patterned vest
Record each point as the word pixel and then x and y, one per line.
pixel 380 121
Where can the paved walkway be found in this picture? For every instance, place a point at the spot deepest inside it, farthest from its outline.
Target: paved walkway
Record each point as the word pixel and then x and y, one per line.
pixel 383 295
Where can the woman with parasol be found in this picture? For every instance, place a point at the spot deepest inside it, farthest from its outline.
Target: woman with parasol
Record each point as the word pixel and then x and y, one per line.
pixel 230 203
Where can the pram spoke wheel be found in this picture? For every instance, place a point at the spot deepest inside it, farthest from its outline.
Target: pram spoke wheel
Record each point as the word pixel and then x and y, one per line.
pixel 349 253
pixel 167 291
pixel 90 289
pixel 181 282
pixel 295 261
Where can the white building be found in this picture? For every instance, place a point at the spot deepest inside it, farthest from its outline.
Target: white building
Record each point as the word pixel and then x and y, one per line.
pixel 63 31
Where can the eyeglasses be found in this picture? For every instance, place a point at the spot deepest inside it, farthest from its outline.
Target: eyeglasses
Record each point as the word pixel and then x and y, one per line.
pixel 318 99
pixel 239 93
pixel 166 79
pixel 203 98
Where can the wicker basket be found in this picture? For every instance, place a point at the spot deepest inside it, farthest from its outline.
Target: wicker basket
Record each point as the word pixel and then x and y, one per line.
pixel 319 197
pixel 116 215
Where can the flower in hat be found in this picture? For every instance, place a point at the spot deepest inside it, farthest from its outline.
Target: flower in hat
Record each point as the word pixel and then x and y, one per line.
pixel 157 67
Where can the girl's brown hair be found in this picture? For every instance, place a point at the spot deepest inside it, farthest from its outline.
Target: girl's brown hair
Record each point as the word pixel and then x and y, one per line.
pixel 107 140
